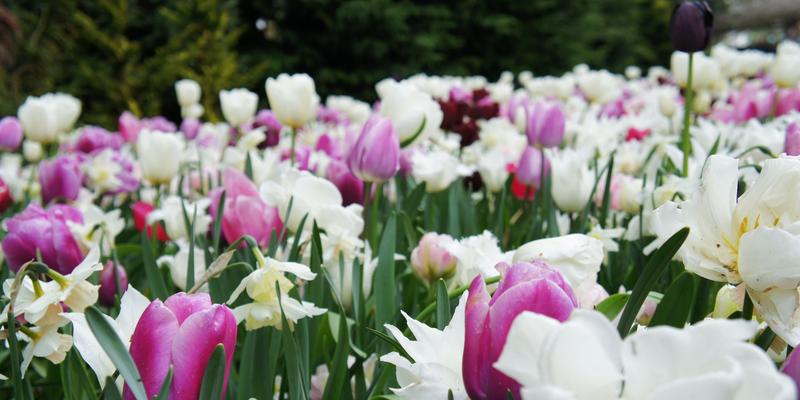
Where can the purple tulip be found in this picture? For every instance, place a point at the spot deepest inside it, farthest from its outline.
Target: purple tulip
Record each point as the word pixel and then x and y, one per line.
pixel 792 142
pixel 375 156
pixel 545 124
pixel 93 139
pixel 273 127
pixel 129 126
pixel 530 170
pixel 691 26
pixel 329 146
pixel 791 367
pixel 351 188
pixel 534 287
pixel 60 178
pixel 45 231
pixel 190 128
pixel 109 276
pixel 10 133
pixel 181 332
pixel 245 213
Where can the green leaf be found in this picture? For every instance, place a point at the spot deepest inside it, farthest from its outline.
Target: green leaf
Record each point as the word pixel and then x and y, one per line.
pixel 442 305
pixel 453 222
pixel 252 365
pixel 416 134
pixel 110 391
pixel 607 192
pixel 654 268
pixel 163 394
pixel 291 355
pixel 611 306
pixel 412 202
pixel 218 221
pixel 384 288
pixel 338 368
pixel 214 377
pixel 676 305
pixel 248 166
pixel 110 342
pixel 154 278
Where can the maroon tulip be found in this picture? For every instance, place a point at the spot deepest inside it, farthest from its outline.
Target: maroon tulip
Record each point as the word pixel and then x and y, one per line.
pixel 46 232
pixel 691 26
pixel 183 333
pixel 109 276
pixel 534 287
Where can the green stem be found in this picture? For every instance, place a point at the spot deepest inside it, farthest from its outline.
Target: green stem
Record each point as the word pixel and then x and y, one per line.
pixel 294 139
pixel 373 216
pixel 367 227
pixel 452 295
pixel 687 115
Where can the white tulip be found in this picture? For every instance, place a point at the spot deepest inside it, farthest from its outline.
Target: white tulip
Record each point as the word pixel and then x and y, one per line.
pixel 600 86
pixel 188 92
pixel 171 212
pixel 706 72
pixel 43 118
pixel 238 105
pixel 178 265
pixel 438 169
pixel 159 155
pixel 784 69
pixel 412 111
pixel 571 180
pixel 293 99
pixel 32 151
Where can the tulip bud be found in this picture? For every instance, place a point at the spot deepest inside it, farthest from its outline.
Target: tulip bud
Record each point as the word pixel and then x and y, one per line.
pixel 188 92
pixel 5 196
pixel 792 142
pixel 431 260
pixel 691 26
pixel 140 211
pixel 111 274
pixel 10 133
pixel 238 105
pixel 60 178
pixel 530 170
pixel 545 125
pixel 375 156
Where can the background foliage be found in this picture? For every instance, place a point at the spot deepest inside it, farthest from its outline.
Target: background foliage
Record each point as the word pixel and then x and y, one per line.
pixel 120 54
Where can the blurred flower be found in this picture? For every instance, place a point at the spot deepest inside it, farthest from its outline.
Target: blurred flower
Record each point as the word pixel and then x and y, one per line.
pixel 159 155
pixel 112 274
pixel 171 213
pixel 93 139
pixel 792 142
pixel 188 92
pixel 544 124
pixel 535 287
pixel 431 260
pixel 110 171
pixel 691 26
pixel 44 117
pixel 129 126
pixel 266 119
pixel 181 333
pixel 293 99
pixel 784 69
pixel 60 178
pixel 411 111
pixel 434 369
pixel 351 188
pixel 245 213
pixel 437 168
pixel 178 264
pixel 5 196
pixel 375 155
pixel 10 133
pixel 571 180
pixel 238 106
pixel 140 211
pixel 533 166
pixel 46 232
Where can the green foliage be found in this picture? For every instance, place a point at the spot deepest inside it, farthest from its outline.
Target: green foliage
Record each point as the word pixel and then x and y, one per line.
pixel 118 54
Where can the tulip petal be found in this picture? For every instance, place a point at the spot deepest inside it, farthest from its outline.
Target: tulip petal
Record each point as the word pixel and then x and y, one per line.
pixel 476 338
pixel 184 305
pixel 151 346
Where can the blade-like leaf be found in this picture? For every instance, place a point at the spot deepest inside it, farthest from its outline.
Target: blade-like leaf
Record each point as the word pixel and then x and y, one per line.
pixel 154 278
pixel 676 306
pixel 611 306
pixel 384 288
pixel 442 305
pixel 163 394
pixel 214 377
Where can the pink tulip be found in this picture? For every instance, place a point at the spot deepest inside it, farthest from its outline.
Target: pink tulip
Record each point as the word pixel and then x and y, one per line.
pixel 534 287
pixel 272 128
pixel 431 260
pixel 245 213
pixel 181 332
pixel 375 156
pixel 530 170
pixel 60 178
pixel 10 133
pixel 791 367
pixel 545 124
pixel 190 127
pixel 46 232
pixel 93 139
pixel 792 142
pixel 788 101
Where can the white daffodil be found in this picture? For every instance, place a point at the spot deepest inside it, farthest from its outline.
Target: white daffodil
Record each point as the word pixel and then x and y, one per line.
pixel 172 211
pixel 73 290
pixel 132 305
pixel 46 342
pixel 99 228
pixel 265 310
pixel 27 293
pixel 753 239
pixel 435 368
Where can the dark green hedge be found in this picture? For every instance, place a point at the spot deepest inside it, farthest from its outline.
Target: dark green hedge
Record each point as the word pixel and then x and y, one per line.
pixel 118 55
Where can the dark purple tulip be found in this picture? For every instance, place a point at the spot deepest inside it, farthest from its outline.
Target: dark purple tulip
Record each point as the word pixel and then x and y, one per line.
pixel 109 277
pixel 10 133
pixel 60 178
pixel 691 26
pixel 47 232
pixel 351 188
pixel 272 128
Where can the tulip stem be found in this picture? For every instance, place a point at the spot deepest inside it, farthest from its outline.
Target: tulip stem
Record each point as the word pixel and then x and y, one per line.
pixel 687 115
pixel 452 295
pixel 294 139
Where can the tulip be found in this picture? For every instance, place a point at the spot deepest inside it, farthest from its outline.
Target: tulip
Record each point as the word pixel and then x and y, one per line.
pixel 32 151
pixel 245 213
pixel 182 333
pixel 10 133
pixel 45 117
pixel 188 92
pixel 266 119
pixel 60 178
pixel 5 196
pixel 112 274
pixel 375 156
pixel 238 105
pixel 792 142
pixel 691 26
pixel 572 181
pixel 545 125
pixel 531 169
pixel 784 69
pixel 293 99
pixel 791 367
pixel 140 211
pixel 93 139
pixel 190 128
pixel 351 188
pixel 45 232
pixel 534 287
pixel 431 260
pixel 159 155
pixel 411 111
